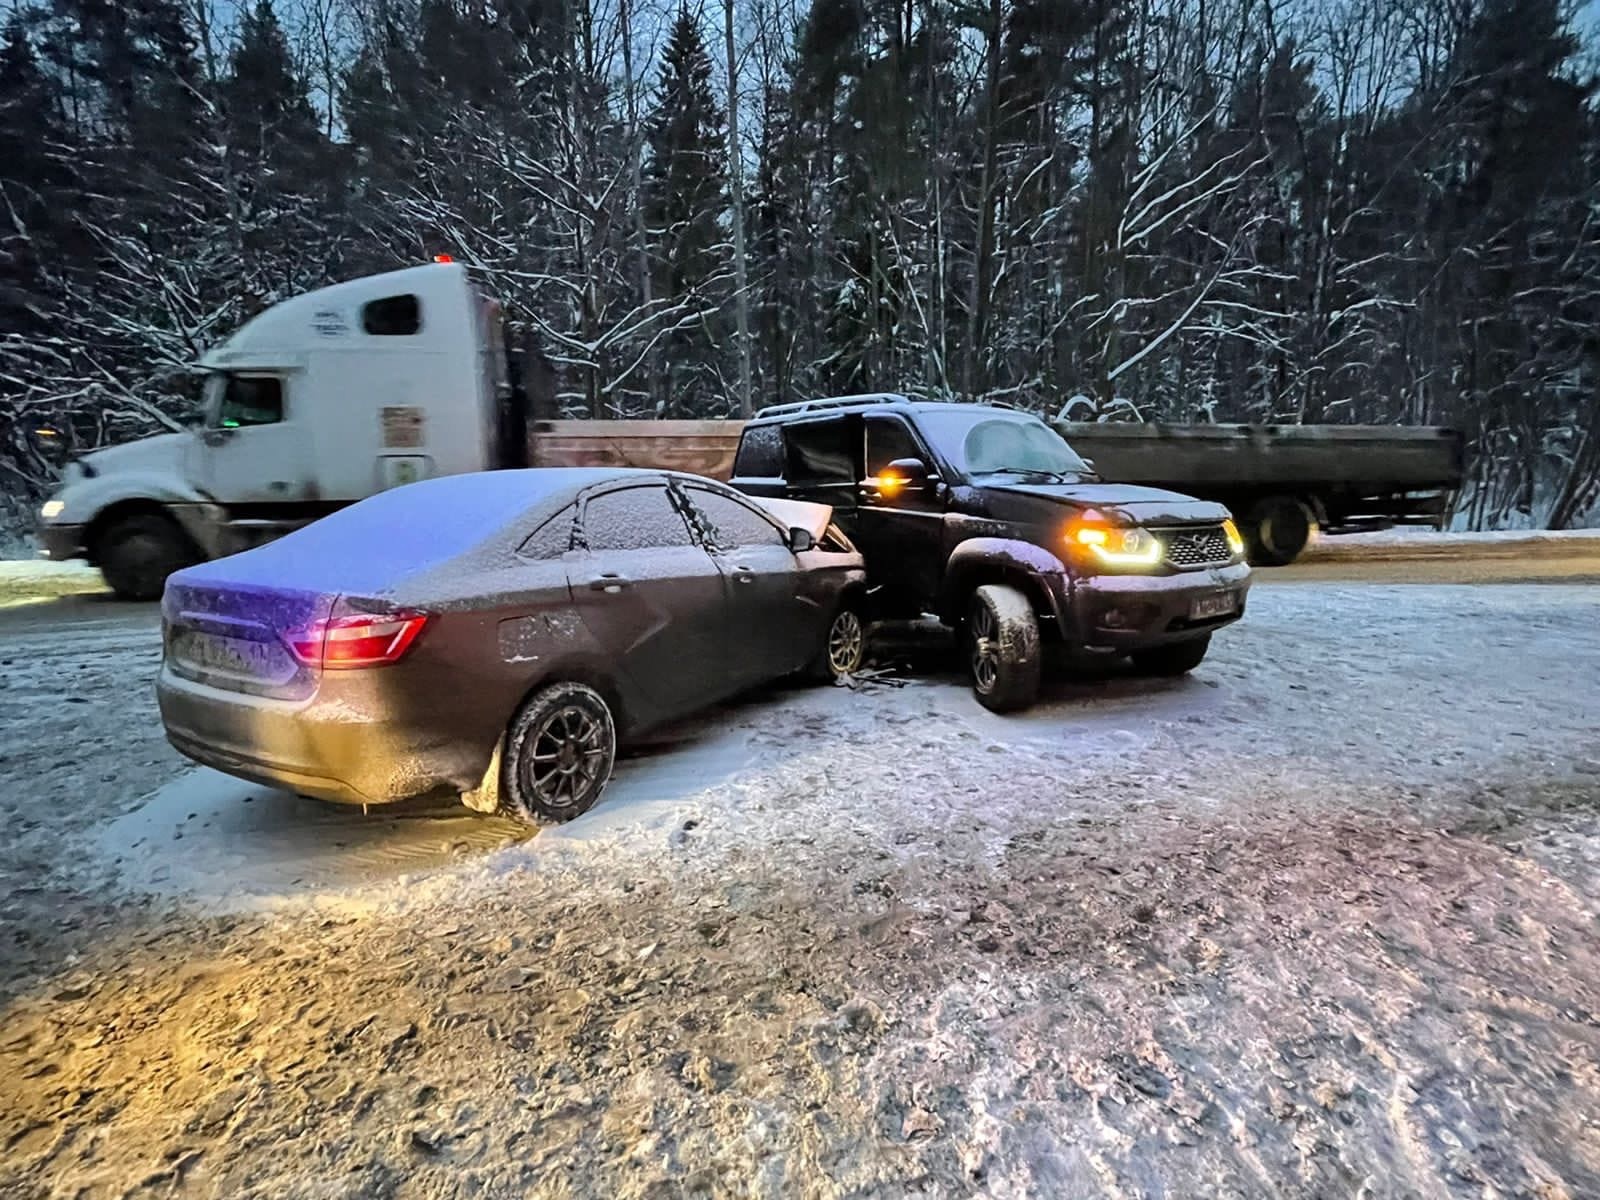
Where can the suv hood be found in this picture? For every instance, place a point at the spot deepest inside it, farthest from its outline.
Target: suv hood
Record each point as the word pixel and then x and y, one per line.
pixel 1124 502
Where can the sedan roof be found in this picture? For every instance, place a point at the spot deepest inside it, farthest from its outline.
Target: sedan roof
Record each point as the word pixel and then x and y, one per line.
pixel 373 544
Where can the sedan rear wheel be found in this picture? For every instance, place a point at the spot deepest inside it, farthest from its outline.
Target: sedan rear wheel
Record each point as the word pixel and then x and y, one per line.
pixel 559 753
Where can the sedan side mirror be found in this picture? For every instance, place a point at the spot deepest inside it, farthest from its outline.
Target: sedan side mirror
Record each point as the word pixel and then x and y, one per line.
pixel 800 540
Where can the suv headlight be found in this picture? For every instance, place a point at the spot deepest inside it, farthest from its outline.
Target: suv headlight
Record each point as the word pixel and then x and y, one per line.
pixel 51 509
pixel 1235 541
pixel 1117 546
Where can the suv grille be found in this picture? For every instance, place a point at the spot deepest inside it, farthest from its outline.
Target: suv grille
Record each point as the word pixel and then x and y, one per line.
pixel 1203 546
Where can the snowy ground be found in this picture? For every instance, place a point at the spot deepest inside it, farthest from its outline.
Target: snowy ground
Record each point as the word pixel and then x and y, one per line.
pixel 36 581
pixel 1412 540
pixel 1318 921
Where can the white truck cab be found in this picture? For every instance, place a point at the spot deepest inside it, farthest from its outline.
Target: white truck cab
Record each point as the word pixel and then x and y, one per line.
pixel 319 401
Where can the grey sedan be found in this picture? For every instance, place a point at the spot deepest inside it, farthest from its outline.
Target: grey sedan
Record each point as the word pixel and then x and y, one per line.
pixel 494 635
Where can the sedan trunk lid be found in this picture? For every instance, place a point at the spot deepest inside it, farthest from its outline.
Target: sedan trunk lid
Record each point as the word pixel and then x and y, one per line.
pixel 235 636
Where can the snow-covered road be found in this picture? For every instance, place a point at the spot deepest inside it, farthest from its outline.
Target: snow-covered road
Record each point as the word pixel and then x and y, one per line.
pixel 1319 920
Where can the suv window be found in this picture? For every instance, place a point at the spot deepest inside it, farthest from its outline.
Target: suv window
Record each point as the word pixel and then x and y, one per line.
pixel 637 518
pixel 821 452
pixel 734 523
pixel 760 453
pixel 553 538
pixel 243 400
pixel 888 439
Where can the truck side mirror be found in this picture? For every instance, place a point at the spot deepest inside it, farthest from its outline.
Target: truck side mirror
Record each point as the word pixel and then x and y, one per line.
pixel 800 540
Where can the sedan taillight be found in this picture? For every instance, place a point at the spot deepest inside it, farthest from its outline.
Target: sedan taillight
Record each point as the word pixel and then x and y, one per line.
pixel 352 640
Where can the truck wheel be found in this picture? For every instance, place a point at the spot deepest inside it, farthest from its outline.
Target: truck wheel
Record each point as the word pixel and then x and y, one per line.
pixel 1003 648
pixel 1175 658
pixel 137 553
pixel 1279 528
pixel 559 751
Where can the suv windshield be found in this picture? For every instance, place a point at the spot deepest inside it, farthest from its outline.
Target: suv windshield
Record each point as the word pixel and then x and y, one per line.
pixel 995 442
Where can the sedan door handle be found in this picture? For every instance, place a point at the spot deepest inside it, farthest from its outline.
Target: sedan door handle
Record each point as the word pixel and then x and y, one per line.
pixel 743 575
pixel 610 584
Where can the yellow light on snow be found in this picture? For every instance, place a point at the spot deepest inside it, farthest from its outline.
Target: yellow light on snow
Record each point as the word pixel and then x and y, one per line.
pixel 1235 541
pixel 52 509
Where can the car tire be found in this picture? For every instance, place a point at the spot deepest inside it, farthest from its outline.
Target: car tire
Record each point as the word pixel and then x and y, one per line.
pixel 1279 528
pixel 844 646
pixel 559 752
pixel 1003 651
pixel 137 553
pixel 1174 658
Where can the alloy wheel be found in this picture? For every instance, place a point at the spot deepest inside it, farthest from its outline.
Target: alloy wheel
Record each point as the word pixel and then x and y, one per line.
pixel 846 643
pixel 985 648
pixel 569 752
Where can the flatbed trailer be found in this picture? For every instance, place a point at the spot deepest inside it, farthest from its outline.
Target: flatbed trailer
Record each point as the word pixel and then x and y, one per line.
pixel 1281 481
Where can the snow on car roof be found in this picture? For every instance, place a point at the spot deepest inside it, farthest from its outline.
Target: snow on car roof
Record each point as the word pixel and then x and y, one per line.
pixel 376 541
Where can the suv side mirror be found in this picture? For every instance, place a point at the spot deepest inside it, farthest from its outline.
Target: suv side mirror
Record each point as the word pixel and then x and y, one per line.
pixel 800 540
pixel 904 475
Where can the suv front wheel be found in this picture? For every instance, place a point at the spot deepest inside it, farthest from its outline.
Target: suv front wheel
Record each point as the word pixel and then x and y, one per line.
pixel 1003 648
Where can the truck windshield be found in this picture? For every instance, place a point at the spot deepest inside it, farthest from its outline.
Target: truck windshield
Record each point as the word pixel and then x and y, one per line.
pixel 993 442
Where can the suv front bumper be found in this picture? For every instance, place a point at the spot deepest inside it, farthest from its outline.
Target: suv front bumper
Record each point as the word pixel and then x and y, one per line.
pixel 1129 612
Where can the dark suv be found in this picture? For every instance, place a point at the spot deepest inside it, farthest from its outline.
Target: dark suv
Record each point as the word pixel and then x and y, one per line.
pixel 984 516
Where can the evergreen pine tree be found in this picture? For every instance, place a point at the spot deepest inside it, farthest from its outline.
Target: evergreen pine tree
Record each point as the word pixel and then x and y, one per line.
pixel 282 187
pixel 685 197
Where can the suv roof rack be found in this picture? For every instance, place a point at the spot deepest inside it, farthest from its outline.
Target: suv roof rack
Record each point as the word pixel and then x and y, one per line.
pixel 865 400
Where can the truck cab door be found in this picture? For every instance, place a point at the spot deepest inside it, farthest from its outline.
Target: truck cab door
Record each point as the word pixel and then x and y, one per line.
pixel 900 532
pixel 251 451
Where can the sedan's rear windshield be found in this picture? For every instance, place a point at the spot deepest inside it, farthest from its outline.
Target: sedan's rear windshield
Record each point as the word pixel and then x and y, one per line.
pixel 993 442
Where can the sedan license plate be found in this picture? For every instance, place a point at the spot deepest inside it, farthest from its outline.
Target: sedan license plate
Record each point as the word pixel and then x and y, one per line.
pixel 1206 607
pixel 229 656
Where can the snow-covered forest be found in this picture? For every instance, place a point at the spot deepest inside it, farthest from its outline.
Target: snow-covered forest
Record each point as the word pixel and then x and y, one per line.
pixel 1266 210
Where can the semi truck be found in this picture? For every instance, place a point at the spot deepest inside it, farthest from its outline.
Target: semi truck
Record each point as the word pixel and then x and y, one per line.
pixel 328 397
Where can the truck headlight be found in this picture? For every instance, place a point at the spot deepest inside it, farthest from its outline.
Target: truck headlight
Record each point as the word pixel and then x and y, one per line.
pixel 1115 546
pixel 52 509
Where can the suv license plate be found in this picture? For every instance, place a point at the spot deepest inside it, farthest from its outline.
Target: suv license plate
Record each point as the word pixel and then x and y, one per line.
pixel 1207 607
